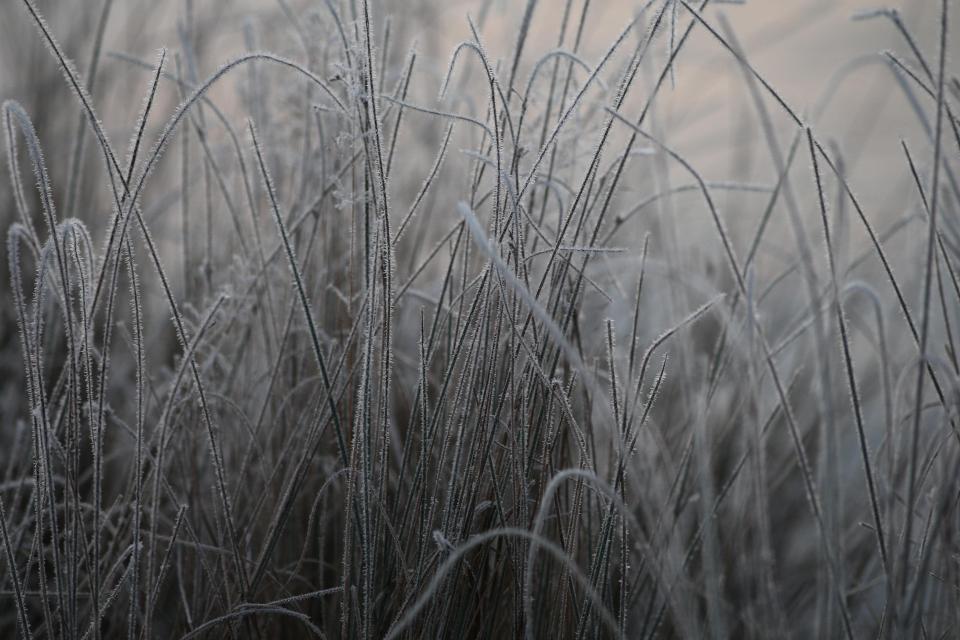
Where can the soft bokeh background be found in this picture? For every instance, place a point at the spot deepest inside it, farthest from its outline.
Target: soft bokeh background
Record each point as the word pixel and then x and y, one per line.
pixel 798 44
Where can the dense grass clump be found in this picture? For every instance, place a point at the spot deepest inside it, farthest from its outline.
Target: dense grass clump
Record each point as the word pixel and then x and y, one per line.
pixel 355 342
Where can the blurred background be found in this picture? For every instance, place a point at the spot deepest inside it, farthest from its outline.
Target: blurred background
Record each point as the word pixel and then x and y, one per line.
pixel 799 44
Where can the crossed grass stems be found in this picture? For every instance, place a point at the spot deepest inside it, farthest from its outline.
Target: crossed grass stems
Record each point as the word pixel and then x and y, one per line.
pixel 513 482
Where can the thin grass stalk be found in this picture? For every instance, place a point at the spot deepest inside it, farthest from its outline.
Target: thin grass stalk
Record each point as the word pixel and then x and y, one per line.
pixel 898 615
